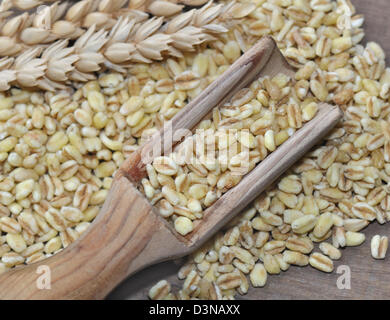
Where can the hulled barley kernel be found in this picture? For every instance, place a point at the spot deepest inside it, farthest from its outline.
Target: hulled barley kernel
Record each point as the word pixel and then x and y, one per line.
pixel 229 280
pixel 282 264
pixel 183 225
pixel 12 259
pixel 96 101
pixel 330 250
pixel 379 246
pixel 160 290
pixel 269 140
pixel 354 238
pixel 53 245
pixel 258 275
pixel 16 242
pixel 57 141
pixel 321 262
pixel 355 224
pixel 295 258
pixel 304 224
pixel 323 225
pixel 165 165
pixel 23 189
pixel 271 265
pixel 300 244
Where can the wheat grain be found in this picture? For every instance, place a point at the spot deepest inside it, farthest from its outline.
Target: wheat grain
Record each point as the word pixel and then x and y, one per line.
pixel 164 8
pixel 320 183
pixel 237 139
pixel 324 186
pixel 20 4
pixel 145 5
pixel 128 41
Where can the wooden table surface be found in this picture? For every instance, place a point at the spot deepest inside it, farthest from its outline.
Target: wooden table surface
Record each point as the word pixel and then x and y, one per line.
pixel 370 279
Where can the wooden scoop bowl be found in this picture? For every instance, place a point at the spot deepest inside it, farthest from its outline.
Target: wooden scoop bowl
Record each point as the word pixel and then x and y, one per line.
pixel 129 234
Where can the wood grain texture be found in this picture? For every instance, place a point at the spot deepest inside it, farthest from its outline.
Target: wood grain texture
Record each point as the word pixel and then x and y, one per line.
pixel 370 278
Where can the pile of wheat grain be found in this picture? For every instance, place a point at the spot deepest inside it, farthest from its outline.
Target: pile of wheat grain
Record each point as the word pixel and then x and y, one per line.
pixel 337 189
pixel 59 150
pixel 36 50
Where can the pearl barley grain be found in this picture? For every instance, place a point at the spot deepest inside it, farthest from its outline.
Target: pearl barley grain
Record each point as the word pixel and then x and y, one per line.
pixel 329 250
pixel 321 262
pixel 379 246
pixel 354 239
pixel 183 225
pixel 160 290
pixel 258 275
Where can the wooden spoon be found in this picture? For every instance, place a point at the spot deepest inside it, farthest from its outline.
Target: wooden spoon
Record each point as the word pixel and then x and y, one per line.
pixel 129 234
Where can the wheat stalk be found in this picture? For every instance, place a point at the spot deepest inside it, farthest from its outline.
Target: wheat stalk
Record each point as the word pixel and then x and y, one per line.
pixel 128 41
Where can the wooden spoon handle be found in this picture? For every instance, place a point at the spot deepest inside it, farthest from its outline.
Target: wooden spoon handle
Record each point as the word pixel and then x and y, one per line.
pixel 125 237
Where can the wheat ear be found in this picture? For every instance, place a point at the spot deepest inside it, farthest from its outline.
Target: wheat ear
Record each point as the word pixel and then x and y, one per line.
pixel 155 7
pixel 164 8
pixel 128 41
pixel 59 21
pixel 48 24
pixel 7 5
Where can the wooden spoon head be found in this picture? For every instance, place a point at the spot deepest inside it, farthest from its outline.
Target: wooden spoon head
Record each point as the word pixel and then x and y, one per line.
pixel 264 59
